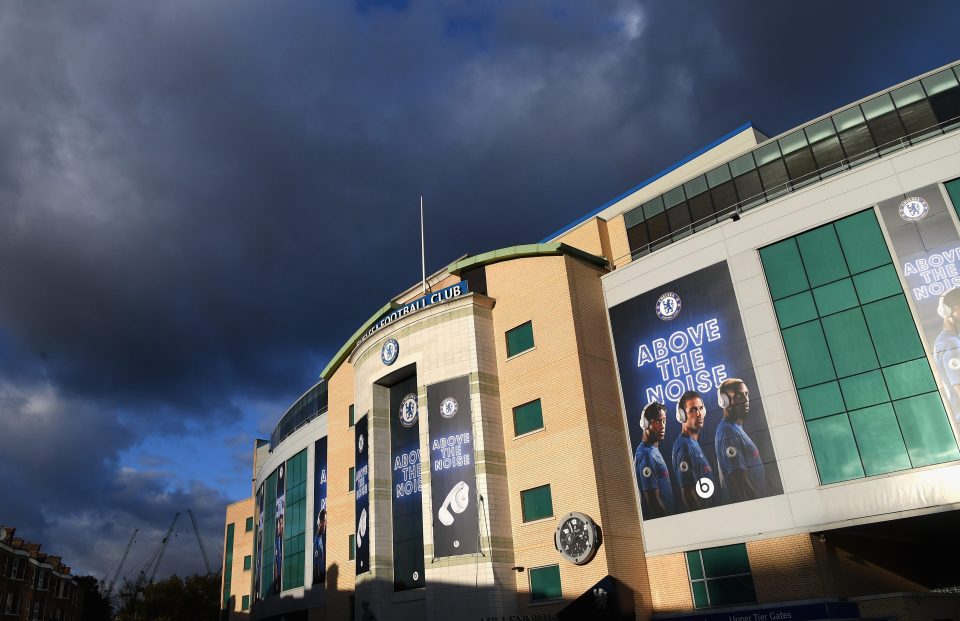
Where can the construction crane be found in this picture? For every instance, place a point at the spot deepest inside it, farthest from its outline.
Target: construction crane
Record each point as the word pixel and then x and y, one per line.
pixel 153 563
pixel 203 548
pixel 123 559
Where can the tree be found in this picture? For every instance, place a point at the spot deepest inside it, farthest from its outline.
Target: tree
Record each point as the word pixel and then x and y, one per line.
pixel 95 606
pixel 173 599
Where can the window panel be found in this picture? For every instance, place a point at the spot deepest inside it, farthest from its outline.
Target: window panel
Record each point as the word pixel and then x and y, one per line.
pixel 820 131
pixel 878 437
pixel 822 400
pixel 718 176
pixel 784 269
pixel 527 417
pixel 249 524
pixel 795 309
pixel 829 155
pixel 849 343
pixel 659 229
pixel 638 238
pixel 863 244
pixel 894 333
pixel 245 602
pixel 822 256
pixel 909 378
pixel 939 82
pixel 749 189
pixel 742 164
pixel 694 565
pixel 545 583
pixel 926 430
pixel 876 284
pixel 633 217
pixel 808 353
pixel 520 339
pixel 351 480
pixel 834 448
pixel 725 561
pixel 246 563
pixel 801 167
pixel 537 503
pixel 835 297
pixel 351 415
pixel 774 177
pixel 653 207
pixel 673 197
pixel 701 211
pixel 724 196
pixel 729 591
pixel 866 389
pixel 352 547
pixel 679 219
pixel 700 597
pixel 697 185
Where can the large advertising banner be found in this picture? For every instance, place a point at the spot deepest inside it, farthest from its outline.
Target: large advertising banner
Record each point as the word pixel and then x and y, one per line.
pixel 408 571
pixel 278 537
pixel 320 511
pixel 927 247
pixel 453 482
pixel 699 437
pixel 258 546
pixel 361 483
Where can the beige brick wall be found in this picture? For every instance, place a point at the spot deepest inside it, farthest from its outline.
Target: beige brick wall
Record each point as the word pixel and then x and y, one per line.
pixel 619 245
pixel 340 501
pixel 670 583
pixel 785 568
pixel 582 447
pixel 589 237
pixel 241 582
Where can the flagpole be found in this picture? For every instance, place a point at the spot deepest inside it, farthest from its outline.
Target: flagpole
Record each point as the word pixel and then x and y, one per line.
pixel 423 251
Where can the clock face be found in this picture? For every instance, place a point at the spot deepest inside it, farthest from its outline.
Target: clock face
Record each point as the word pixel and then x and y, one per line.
pixel 576 538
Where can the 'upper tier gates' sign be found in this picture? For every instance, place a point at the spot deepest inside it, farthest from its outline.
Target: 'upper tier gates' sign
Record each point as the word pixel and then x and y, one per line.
pixel 443 295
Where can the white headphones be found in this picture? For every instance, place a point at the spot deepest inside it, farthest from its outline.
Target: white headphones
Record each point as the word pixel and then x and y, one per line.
pixel 942 309
pixel 362 528
pixel 722 399
pixel 457 499
pixel 681 413
pixel 644 423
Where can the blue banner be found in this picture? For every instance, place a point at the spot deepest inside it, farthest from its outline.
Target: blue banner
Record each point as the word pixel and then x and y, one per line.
pixel 320 511
pixel 699 436
pixel 361 481
pixel 407 494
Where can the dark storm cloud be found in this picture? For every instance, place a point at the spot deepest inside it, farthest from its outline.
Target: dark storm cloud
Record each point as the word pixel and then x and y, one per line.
pixel 199 202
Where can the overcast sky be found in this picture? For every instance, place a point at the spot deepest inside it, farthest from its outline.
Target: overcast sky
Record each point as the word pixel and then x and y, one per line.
pixel 201 201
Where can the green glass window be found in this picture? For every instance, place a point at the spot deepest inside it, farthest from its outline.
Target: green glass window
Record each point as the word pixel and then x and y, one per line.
pixel 246 562
pixel 520 339
pixel 351 479
pixel 295 518
pixel 228 566
pixel 249 524
pixel 866 389
pixel 351 547
pixel 545 583
pixel 720 576
pixel 245 602
pixel 527 417
pixel 953 189
pixel 350 415
pixel 537 503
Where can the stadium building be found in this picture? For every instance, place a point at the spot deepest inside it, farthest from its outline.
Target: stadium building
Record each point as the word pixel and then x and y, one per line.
pixel 730 394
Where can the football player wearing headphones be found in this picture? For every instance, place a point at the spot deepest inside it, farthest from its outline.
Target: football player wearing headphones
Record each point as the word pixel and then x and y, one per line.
pixel 690 465
pixel 741 469
pixel 946 349
pixel 656 494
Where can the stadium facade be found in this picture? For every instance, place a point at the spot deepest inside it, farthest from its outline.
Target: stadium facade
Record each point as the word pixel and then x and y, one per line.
pixel 731 393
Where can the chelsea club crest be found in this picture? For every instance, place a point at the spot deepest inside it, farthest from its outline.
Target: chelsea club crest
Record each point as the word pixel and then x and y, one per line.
pixel 408 410
pixel 389 352
pixel 913 209
pixel 448 407
pixel 668 306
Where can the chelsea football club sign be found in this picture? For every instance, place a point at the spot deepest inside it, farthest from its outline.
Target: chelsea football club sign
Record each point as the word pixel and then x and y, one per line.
pixel 437 297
